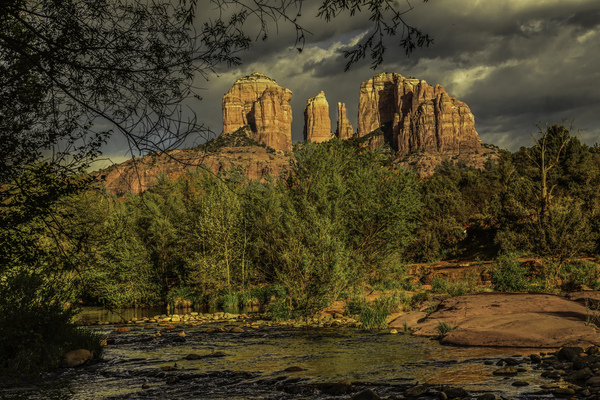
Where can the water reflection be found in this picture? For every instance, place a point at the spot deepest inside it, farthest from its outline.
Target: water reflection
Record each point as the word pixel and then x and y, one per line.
pixel 94 315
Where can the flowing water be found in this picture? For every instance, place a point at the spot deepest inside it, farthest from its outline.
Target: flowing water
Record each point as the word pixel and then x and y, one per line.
pixel 252 365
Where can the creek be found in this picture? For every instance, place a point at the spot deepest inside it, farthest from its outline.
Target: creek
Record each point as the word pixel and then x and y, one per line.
pixel 275 362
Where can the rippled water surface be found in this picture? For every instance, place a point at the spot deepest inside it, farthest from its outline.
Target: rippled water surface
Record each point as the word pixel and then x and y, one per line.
pixel 252 365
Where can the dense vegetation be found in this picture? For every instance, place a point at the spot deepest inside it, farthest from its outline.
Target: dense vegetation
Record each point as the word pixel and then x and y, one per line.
pixel 344 221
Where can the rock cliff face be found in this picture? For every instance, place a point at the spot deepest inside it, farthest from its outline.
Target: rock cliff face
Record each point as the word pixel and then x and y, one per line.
pixel 317 124
pixel 416 116
pixel 136 176
pixel 259 102
pixel 344 130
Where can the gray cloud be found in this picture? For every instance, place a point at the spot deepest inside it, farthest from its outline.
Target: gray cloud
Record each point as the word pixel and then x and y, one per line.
pixel 516 63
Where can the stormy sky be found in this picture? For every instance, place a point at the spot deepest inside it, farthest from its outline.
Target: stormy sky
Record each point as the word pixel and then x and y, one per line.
pixel 516 63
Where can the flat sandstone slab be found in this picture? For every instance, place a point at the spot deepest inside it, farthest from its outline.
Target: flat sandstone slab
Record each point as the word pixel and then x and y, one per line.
pixel 509 320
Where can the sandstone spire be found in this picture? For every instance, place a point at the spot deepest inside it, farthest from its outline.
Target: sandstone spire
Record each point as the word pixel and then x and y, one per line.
pixel 344 130
pixel 317 124
pixel 415 115
pixel 259 102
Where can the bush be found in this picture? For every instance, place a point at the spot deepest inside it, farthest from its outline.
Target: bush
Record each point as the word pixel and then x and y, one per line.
pixel 36 329
pixel 580 272
pixel 355 305
pixel 507 275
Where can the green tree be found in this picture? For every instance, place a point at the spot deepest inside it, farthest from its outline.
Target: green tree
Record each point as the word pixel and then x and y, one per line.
pixel 341 215
pixel 216 238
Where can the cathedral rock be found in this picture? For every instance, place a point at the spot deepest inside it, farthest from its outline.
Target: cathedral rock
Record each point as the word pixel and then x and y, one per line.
pixel 259 102
pixel 416 116
pixel 317 124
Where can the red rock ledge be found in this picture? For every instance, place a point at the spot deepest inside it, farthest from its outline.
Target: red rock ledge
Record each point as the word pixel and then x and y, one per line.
pixel 511 320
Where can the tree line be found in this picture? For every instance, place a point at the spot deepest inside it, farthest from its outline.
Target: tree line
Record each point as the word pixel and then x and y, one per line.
pixel 342 218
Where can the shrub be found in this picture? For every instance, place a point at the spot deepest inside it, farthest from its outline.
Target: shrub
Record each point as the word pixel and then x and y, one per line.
pixel 36 330
pixel 507 275
pixel 355 305
pixel 580 272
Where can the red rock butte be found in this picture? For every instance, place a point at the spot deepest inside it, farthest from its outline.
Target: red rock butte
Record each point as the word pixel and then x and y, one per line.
pixel 259 102
pixel 416 116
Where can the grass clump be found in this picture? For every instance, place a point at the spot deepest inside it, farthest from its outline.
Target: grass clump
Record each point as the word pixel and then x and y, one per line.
pixel 455 287
pixel 443 328
pixel 374 315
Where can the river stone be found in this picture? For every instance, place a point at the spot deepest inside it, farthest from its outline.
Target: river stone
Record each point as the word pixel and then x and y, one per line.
pixel 193 356
pixel 453 393
pixel 393 331
pixel 172 379
pixel 535 358
pixel 593 381
pixel 416 391
pixel 568 353
pixel 336 389
pixel 366 395
pixel 520 383
pixel 563 392
pixel 507 371
pixel 237 329
pixel 75 358
pixel 580 375
pixel 122 329
pixel 511 361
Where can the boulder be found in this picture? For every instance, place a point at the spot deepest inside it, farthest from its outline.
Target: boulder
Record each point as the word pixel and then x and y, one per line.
pixel 259 102
pixel 75 358
pixel 317 124
pixel 415 116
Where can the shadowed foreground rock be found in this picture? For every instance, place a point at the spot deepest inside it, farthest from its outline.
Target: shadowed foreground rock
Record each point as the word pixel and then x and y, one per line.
pixel 508 320
pixel 76 358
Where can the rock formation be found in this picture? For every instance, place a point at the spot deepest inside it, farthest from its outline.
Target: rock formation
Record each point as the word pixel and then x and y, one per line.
pixel 415 116
pixel 259 102
pixel 140 174
pixel 344 130
pixel 317 124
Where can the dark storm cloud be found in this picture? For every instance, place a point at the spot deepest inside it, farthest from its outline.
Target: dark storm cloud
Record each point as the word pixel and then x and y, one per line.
pixel 516 63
